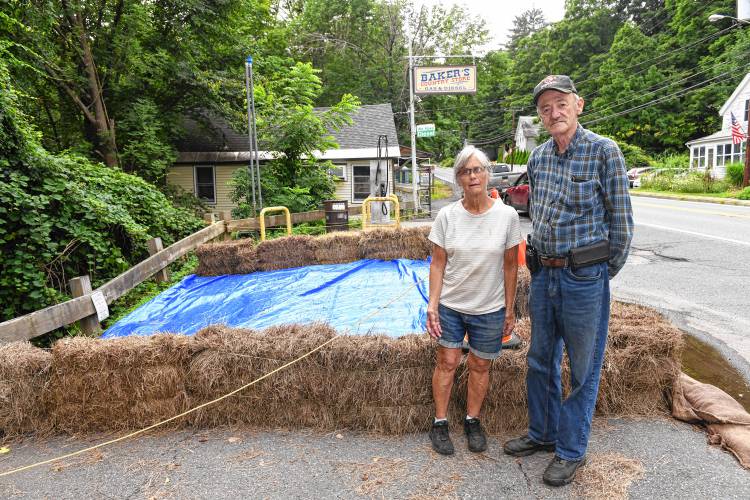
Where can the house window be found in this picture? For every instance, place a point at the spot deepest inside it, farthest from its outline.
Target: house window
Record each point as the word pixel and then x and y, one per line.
pixel 361 182
pixel 747 109
pixel 338 171
pixel 205 183
pixel 723 154
pixel 738 152
pixel 699 157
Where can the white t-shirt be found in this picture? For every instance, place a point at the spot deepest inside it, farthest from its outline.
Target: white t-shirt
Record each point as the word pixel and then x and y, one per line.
pixel 473 279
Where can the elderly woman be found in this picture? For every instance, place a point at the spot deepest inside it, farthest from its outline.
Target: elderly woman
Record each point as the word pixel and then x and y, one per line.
pixel 472 289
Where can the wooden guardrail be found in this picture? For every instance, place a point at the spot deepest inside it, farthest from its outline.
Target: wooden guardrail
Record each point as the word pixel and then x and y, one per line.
pixel 82 307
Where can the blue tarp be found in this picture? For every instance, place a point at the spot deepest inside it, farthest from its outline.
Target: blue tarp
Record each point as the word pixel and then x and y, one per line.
pixel 344 295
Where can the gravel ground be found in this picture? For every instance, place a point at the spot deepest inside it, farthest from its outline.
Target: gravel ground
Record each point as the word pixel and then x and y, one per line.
pixel 225 463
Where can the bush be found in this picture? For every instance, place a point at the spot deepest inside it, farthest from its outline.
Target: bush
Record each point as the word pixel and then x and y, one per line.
pixel 63 216
pixel 744 194
pixel 735 173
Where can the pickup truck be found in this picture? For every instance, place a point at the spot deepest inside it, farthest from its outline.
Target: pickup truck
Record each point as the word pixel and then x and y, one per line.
pixel 502 176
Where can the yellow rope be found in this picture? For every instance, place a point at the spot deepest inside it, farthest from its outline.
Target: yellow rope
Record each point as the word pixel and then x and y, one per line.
pixel 191 410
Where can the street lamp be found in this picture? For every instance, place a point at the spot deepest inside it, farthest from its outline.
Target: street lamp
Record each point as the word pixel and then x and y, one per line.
pixel 718 17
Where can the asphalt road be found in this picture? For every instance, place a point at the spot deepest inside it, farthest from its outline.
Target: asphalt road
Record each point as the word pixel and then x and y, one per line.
pixel 675 459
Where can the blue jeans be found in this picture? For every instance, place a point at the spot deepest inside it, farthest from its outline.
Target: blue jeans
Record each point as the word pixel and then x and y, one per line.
pixel 570 308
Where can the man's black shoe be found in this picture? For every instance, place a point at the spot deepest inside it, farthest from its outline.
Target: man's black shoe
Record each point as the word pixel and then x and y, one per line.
pixel 441 440
pixel 560 472
pixel 475 435
pixel 524 446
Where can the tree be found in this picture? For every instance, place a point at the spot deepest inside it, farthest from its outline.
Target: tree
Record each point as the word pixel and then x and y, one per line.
pixel 63 216
pixel 525 24
pixel 105 71
pixel 286 120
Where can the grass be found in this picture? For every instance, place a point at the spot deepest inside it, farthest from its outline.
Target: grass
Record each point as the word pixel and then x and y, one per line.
pixel 731 194
pixel 441 190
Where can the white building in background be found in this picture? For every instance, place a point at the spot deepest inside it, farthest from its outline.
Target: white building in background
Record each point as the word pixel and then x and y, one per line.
pixel 716 151
pixel 527 133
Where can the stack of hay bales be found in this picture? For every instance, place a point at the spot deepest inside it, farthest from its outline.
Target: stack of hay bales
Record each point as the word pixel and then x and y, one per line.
pixel 373 382
pixel 215 259
pixel 285 253
pixel 117 384
pixel 338 247
pixel 226 359
pixel 24 378
pixel 389 244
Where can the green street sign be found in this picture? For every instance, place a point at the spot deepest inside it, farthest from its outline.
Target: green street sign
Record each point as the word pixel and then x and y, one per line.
pixel 426 130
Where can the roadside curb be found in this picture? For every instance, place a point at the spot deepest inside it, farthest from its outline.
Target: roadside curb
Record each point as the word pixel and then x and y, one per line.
pixel 701 199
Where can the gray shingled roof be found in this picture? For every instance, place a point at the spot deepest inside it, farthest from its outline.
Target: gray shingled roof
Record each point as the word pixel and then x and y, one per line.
pixel 369 122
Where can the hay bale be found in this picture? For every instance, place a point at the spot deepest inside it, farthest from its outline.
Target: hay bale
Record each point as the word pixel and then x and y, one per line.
pixel 522 292
pixel 338 247
pixel 118 384
pixel 286 252
pixel 228 358
pixel 228 257
pixel 24 379
pixel 390 244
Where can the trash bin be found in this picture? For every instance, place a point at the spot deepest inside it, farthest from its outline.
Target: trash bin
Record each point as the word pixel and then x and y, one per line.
pixel 337 215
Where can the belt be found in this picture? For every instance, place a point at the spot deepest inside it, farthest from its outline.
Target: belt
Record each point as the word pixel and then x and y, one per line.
pixel 554 261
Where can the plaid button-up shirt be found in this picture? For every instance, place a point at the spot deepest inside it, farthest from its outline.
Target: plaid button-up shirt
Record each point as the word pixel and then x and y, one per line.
pixel 580 197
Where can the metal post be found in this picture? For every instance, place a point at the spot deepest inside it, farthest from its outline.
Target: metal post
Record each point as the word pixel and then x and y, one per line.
pixel 250 117
pixel 255 134
pixel 415 197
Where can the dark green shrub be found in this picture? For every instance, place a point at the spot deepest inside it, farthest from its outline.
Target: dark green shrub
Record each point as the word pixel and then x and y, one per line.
pixel 744 194
pixel 735 172
pixel 63 216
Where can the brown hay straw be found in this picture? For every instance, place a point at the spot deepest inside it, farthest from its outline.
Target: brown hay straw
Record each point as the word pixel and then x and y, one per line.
pixel 24 377
pixel 606 476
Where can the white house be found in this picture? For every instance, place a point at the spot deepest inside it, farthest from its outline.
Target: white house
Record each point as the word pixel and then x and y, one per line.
pixel 716 151
pixel 211 152
pixel 527 133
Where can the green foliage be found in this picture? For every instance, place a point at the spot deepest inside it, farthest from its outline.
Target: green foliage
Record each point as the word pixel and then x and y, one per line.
pixel 682 181
pixel 518 157
pixel 63 216
pixel 735 174
pixel 672 161
pixel 744 194
pixel 634 155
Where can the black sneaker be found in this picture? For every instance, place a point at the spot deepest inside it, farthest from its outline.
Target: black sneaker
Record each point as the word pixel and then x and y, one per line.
pixel 475 435
pixel 560 472
pixel 441 440
pixel 524 446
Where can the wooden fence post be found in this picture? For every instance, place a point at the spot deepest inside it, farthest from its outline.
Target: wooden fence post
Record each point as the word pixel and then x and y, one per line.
pixel 79 287
pixel 208 217
pixel 155 245
pixel 226 216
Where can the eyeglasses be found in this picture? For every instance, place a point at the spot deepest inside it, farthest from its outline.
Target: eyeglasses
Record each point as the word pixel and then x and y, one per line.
pixel 465 172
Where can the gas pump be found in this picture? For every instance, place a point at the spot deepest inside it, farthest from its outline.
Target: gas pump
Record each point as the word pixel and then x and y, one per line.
pixel 381 210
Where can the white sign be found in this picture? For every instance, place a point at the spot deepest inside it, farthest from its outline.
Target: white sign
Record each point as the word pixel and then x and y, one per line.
pixel 445 79
pixel 339 207
pixel 426 130
pixel 100 304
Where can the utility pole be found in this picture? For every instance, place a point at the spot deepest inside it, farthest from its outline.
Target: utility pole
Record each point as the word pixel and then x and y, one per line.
pixel 746 176
pixel 252 135
pixel 413 127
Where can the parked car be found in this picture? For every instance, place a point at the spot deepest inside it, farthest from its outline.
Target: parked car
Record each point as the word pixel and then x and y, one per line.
pixel 502 176
pixel 517 195
pixel 635 174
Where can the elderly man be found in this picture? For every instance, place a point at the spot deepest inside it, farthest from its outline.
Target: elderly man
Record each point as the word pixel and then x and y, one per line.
pixel 581 232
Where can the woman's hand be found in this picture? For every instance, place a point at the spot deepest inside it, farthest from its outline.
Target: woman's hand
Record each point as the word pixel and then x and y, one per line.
pixel 510 324
pixel 433 322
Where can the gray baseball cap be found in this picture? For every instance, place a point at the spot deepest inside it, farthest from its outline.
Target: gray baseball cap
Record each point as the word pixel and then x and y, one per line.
pixel 561 83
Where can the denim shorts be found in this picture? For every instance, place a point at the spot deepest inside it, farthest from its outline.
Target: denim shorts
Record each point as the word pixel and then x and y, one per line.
pixel 485 331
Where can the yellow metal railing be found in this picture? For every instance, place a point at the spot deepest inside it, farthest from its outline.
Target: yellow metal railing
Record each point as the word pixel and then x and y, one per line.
pixel 262 218
pixel 367 215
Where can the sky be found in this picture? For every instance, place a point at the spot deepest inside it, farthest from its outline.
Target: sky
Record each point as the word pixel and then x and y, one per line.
pixel 498 14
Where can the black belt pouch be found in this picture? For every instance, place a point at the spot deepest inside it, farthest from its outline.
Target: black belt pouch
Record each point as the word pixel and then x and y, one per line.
pixel 589 255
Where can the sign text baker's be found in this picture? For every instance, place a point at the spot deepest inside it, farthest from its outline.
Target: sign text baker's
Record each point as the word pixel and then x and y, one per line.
pixel 445 80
